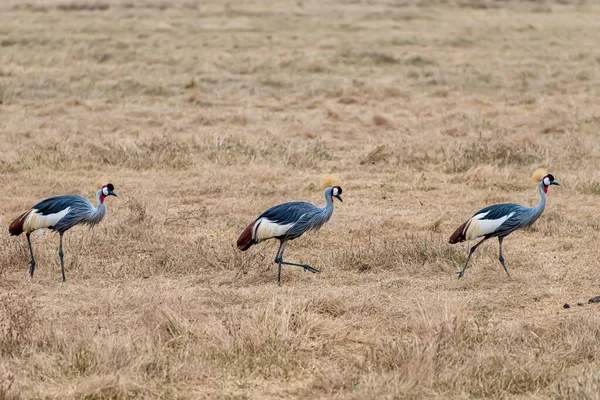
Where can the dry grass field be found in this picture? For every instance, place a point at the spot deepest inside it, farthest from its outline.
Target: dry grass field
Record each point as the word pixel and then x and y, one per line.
pixel 205 113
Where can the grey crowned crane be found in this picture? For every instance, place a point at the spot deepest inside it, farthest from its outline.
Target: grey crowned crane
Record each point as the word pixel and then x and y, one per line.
pixel 60 214
pixel 289 221
pixel 500 220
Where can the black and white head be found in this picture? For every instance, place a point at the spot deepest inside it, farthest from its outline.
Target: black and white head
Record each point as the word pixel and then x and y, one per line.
pixel 336 192
pixel 549 180
pixel 332 188
pixel 105 191
pixel 545 179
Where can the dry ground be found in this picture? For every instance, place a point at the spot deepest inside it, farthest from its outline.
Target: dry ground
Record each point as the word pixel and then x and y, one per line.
pixel 203 114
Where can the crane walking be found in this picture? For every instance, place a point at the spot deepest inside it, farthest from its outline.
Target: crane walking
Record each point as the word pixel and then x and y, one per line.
pixel 500 220
pixel 289 221
pixel 60 214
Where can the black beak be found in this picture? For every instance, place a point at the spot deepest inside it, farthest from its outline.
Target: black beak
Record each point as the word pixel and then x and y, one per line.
pixel 555 183
pixel 339 198
pixel 112 194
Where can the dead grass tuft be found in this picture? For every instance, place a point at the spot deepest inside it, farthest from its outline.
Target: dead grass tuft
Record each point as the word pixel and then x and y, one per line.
pixel 479 173
pixel 589 187
pixel 420 61
pixel 83 6
pixel 163 152
pixel 268 341
pixel 415 254
pixel 549 224
pixel 381 120
pixel 379 154
pixel 496 153
pixel 7 381
pixel 16 324
pixel 16 253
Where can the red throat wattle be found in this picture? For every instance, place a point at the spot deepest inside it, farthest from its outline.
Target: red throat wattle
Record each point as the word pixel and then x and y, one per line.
pixel 545 189
pixel 102 197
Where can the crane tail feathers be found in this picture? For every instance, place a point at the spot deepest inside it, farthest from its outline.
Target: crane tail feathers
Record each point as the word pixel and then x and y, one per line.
pixel 245 241
pixel 459 234
pixel 16 227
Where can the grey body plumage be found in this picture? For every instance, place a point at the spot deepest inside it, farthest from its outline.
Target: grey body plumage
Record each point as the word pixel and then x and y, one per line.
pixel 499 221
pixel 60 214
pixel 304 217
pixel 289 221
pixel 521 216
pixel 82 211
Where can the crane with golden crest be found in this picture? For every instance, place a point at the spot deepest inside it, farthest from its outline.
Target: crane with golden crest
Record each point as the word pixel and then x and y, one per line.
pixel 60 214
pixel 500 220
pixel 289 221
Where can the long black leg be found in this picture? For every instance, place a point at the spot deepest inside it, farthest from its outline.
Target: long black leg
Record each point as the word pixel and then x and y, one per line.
pixel 279 259
pixel 32 262
pixel 471 251
pixel 500 257
pixel 61 255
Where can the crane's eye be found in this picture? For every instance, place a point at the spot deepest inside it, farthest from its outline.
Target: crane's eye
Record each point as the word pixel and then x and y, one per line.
pixel 105 191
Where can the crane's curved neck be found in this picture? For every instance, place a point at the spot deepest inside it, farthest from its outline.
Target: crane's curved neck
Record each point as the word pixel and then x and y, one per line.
pixel 328 208
pixel 100 198
pixel 100 210
pixel 542 203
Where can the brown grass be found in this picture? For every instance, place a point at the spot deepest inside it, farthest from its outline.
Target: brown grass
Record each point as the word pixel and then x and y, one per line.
pixel 204 114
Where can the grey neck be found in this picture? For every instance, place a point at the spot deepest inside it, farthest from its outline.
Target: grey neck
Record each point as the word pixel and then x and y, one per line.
pixel 542 203
pixel 328 208
pixel 99 211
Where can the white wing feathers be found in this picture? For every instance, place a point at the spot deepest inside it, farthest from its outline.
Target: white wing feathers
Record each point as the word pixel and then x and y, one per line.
pixel 266 229
pixel 480 227
pixel 36 221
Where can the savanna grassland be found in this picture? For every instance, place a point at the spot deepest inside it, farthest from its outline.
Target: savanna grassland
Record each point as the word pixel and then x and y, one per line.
pixel 205 113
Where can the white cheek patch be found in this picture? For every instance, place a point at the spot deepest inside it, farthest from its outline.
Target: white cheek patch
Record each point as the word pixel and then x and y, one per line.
pixel 335 191
pixel 547 181
pixel 105 191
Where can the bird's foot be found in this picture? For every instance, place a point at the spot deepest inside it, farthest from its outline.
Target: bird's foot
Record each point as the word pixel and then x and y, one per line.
pixel 305 266
pixel 311 269
pixel 461 274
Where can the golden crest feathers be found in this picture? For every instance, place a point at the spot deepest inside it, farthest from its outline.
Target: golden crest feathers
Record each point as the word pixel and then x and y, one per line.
pixel 101 182
pixel 329 180
pixel 539 174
